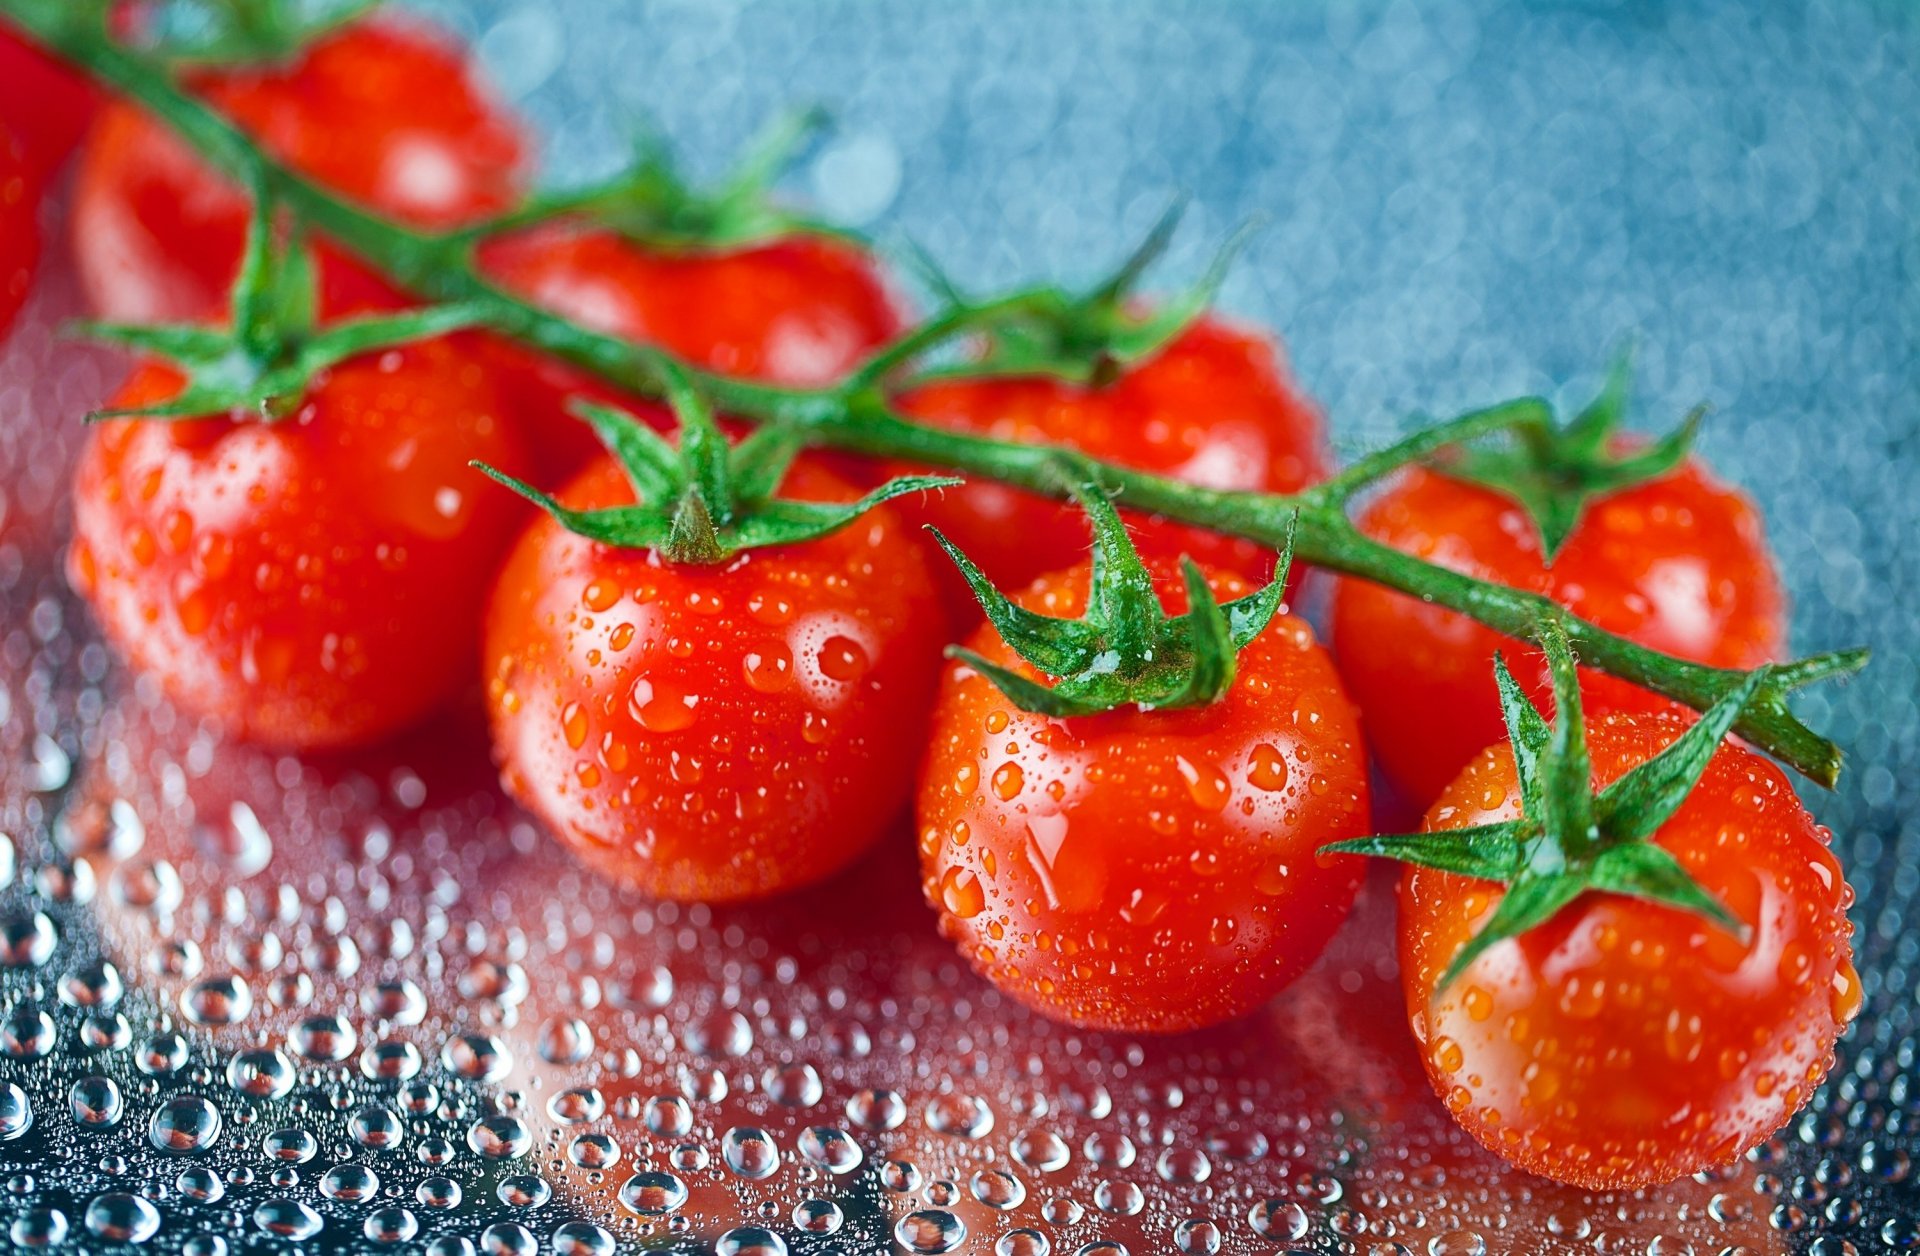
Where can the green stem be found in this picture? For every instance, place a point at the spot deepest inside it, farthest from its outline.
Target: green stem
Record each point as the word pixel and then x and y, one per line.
pixel 856 415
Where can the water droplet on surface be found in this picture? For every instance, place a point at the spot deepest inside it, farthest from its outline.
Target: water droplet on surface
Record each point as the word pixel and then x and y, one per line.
pixel 963 1116
pixel 262 1072
pixel 184 1125
pixel 27 939
pixel 653 1194
pixel 749 1240
pixel 930 1231
pixel 832 1149
pixel 499 1137
pixel 122 1218
pixel 211 1001
pixel 750 1153
pixel 95 1102
pixel 16 1112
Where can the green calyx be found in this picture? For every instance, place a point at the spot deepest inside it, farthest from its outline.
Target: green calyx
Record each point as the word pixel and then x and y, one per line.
pixel 264 363
pixel 705 500
pixel 1570 840
pixel 1555 472
pixel 244 32
pixel 1125 650
pixel 652 202
pixel 1090 337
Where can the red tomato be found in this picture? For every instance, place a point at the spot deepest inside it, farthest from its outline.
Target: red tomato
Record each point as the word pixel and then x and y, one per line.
pixel 1679 564
pixel 44 102
pixel 19 228
pixel 1215 407
pixel 313 582
pixel 1145 871
pixel 383 111
pixel 1623 1043
pixel 723 732
pixel 799 310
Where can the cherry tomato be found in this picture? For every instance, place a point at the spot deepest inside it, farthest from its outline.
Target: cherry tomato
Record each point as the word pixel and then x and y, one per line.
pixel 19 228
pixel 1679 564
pixel 312 582
pixel 1624 1043
pixel 718 733
pixel 44 102
pixel 1145 871
pixel 384 111
pixel 798 310
pixel 1215 407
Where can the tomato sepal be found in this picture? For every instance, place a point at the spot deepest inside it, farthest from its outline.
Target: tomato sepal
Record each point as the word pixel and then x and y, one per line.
pixel 1125 650
pixel 264 363
pixel 1571 840
pixel 705 500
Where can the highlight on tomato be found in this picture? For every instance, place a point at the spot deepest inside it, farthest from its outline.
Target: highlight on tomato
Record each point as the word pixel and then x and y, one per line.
pixel 703 689
pixel 278 523
pixel 1135 845
pixel 382 109
pixel 1641 540
pixel 1625 947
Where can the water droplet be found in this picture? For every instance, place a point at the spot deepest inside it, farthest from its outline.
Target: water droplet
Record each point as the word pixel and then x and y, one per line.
pixel 350 1182
pixel 996 1188
pixel 499 1137
pixel 262 1072
pixel 750 1153
pixel 95 1102
pixel 16 1112
pixel 963 1116
pixel 652 1194
pixel 832 1149
pixel 27 939
pixel 930 1231
pixel 122 1218
pixel 749 1240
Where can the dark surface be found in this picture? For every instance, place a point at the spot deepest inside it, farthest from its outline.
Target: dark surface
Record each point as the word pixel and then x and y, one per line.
pixel 1465 202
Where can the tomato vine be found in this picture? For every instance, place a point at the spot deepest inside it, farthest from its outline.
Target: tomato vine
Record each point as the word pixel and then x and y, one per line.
pixel 856 414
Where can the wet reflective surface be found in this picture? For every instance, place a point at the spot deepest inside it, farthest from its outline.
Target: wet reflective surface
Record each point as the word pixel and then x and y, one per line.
pixel 250 1001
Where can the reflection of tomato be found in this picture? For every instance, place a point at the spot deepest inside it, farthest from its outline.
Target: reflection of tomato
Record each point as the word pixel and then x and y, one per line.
pixel 722 732
pixel 312 582
pixel 45 103
pixel 1215 407
pixel 1679 564
pixel 19 228
pixel 1150 871
pixel 383 111
pixel 1622 1043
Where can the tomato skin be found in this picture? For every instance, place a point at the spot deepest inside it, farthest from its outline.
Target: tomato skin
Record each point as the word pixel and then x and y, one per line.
pixel 717 733
pixel 315 582
pixel 43 101
pixel 1679 564
pixel 1625 1044
pixel 1145 871
pixel 1215 407
pixel 384 111
pixel 19 228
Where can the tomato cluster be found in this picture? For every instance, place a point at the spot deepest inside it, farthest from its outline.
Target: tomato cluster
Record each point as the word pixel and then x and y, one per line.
pixel 740 726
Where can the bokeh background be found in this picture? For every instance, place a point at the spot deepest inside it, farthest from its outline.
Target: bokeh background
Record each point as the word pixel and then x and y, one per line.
pixel 1463 202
